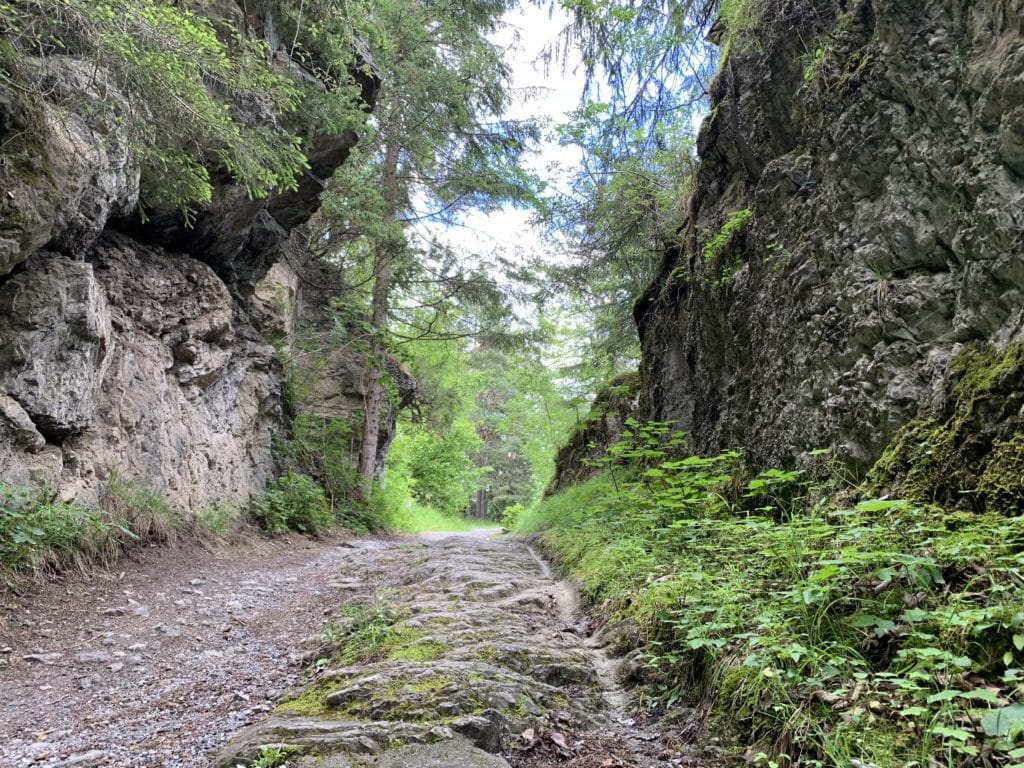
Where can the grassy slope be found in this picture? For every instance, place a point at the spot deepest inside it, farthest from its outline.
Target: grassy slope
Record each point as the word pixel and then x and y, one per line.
pixel 815 635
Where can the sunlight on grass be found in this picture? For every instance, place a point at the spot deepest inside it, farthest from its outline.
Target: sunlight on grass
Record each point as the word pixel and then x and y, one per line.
pixel 415 518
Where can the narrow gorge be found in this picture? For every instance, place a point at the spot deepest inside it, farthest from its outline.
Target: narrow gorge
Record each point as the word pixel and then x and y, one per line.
pixel 373 392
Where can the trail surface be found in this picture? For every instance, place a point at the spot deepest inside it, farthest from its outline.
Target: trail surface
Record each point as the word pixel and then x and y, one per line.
pixel 190 660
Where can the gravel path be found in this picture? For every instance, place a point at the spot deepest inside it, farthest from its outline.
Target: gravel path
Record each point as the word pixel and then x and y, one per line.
pixel 156 663
pixel 182 660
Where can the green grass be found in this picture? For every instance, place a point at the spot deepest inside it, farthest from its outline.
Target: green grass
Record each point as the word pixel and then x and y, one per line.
pixel 815 634
pixel 411 517
pixel 41 535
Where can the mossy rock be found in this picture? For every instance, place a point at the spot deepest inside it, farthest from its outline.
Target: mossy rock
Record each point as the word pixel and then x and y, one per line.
pixel 970 453
pixel 614 403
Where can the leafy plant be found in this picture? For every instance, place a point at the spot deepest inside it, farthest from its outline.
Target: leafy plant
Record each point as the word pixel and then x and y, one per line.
pixel 274 755
pixel 140 507
pixel 293 502
pixel 886 633
pixel 151 63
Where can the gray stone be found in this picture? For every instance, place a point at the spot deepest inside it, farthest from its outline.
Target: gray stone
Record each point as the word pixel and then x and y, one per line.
pixel 55 338
pixel 445 754
pixel 65 171
pixel 92 757
pixel 93 657
pixel 887 204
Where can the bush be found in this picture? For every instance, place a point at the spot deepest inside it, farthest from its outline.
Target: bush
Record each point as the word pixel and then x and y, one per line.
pixel 880 633
pixel 510 515
pixel 217 521
pixel 139 507
pixel 293 502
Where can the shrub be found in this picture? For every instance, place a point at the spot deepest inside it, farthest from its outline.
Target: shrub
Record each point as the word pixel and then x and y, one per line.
pixel 217 520
pixel 293 502
pixel 40 534
pixel 882 633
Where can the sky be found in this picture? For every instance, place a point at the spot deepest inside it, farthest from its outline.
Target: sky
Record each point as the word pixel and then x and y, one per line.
pixel 549 96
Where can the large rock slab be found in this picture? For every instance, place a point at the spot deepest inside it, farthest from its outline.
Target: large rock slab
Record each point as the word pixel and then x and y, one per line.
pixel 471 652
pixel 136 360
pixel 65 170
pixel 55 338
pixel 885 187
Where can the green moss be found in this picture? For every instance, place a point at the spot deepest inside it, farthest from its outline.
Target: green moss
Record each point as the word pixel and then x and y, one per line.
pixel 311 702
pixel 970 454
pixel 427 650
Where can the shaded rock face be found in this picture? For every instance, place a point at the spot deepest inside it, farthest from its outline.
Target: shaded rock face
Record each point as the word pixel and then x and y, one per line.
pixel 241 238
pixel 332 383
pixel 877 145
pixel 135 360
pixel 64 173
pixel 576 461
pixel 115 354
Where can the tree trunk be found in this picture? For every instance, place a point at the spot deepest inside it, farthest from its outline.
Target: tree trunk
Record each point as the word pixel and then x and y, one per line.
pixel 382 275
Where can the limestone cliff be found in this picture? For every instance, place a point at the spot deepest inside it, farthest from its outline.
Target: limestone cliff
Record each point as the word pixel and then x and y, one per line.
pixel 127 343
pixel 855 223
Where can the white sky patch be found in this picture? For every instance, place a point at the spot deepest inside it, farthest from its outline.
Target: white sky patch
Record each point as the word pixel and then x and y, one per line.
pixel 549 96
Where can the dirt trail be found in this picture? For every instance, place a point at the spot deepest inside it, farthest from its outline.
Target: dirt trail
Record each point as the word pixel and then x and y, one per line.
pixel 161 660
pixel 160 664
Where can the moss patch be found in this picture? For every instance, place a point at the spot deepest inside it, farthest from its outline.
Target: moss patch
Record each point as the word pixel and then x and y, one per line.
pixel 428 650
pixel 970 454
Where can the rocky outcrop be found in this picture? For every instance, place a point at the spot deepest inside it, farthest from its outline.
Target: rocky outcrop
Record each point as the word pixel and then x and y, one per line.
pixel 855 222
pixel 140 358
pixel 331 371
pixel 476 646
pixel 240 236
pixel 139 361
pixel 577 460
pixel 64 172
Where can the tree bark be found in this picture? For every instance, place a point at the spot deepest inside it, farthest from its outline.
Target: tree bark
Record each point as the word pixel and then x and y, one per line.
pixel 383 273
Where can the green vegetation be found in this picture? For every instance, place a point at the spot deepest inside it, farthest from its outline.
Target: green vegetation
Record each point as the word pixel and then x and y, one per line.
pixel 410 517
pixel 968 455
pixel 41 535
pixel 714 248
pixel 275 755
pixel 882 633
pixel 362 632
pixel 140 507
pixel 155 56
pixel 38 534
pixel 293 502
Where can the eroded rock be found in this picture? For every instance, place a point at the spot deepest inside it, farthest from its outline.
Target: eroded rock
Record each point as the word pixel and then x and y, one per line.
pixel 456 665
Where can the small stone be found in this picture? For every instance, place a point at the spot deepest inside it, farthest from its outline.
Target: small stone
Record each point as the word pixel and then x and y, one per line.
pixel 92 657
pixel 85 758
pixel 117 666
pixel 43 658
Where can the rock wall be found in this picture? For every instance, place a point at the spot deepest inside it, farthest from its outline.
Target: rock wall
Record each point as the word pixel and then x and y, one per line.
pixel 127 343
pixel 594 435
pixel 135 360
pixel 330 383
pixel 856 222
